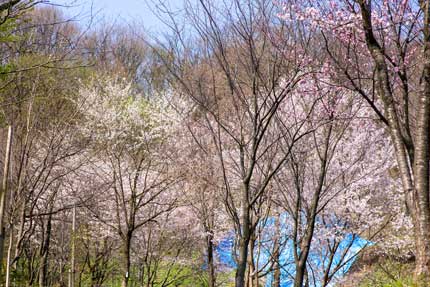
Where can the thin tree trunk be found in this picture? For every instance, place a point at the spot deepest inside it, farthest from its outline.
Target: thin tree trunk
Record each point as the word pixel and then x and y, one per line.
pixel 43 269
pixel 309 232
pixel 277 273
pixel 253 262
pixel 251 266
pixel 20 236
pixel 142 273
pixel 277 254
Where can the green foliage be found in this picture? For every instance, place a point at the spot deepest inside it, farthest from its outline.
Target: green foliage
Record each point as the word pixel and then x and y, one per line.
pixel 51 97
pixel 7 36
pixel 6 68
pixel 6 28
pixel 389 274
pixel 177 274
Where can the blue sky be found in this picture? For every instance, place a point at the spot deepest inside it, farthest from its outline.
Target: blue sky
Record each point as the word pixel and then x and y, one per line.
pixel 120 10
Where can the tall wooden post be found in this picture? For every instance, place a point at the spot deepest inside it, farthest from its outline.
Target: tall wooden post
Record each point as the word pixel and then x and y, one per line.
pixel 3 191
pixel 72 259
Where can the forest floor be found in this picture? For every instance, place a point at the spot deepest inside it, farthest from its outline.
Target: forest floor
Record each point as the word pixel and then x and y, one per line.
pixel 375 269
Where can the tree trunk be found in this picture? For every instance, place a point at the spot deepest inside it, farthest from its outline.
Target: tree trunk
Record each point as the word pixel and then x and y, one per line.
pixel 421 164
pixel 277 255
pixel 20 236
pixel 244 237
pixel 141 273
pixel 300 274
pixel 210 255
pixel 251 268
pixel 44 252
pixel 277 273
pixel 242 261
pixel 126 259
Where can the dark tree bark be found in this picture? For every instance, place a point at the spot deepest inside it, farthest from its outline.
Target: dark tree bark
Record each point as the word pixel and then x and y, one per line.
pixel 126 259
pixel 210 258
pixel 44 253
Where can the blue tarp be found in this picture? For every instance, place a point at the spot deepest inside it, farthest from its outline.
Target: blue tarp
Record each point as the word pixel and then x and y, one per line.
pixel 348 248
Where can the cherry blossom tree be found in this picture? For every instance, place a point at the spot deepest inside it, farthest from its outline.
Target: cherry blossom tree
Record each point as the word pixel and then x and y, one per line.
pixel 238 103
pixel 203 187
pixel 326 173
pixel 379 49
pixel 128 134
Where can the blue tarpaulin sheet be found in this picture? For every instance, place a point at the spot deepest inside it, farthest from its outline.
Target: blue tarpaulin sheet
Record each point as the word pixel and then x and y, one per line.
pixel 346 253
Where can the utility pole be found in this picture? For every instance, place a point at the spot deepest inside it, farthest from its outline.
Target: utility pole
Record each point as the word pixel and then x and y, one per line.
pixel 3 191
pixel 8 258
pixel 72 260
